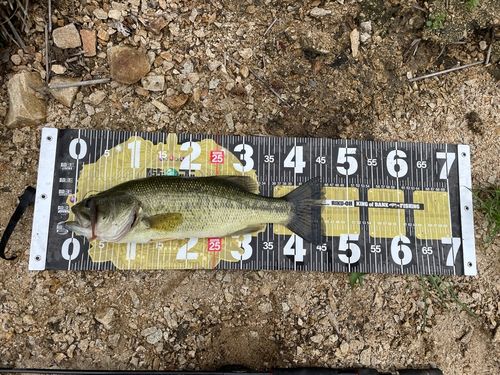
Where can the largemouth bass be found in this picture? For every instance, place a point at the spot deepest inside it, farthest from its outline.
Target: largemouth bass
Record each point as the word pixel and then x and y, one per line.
pixel 164 208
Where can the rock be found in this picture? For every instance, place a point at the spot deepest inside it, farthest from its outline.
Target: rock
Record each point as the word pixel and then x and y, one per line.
pixel 355 42
pixel 364 37
pixel 83 345
pixel 318 339
pixel 188 67
pixel 67 37
pixel 244 71
pixel 266 307
pixel 67 95
pixel 97 97
pixel 214 82
pixel 115 14
pixel 212 65
pixel 162 107
pixel 58 69
pixel 229 121
pixel 26 106
pixel 89 42
pixel 246 53
pixel 106 316
pixel 153 83
pixel 193 78
pixel 127 65
pixel 153 337
pixel 103 35
pixel 319 12
pixel 366 26
pixel 100 14
pixel 157 24
pixel 482 44
pixel 365 357
pixel 59 357
pixel 175 103
pixel 28 319
pixel 16 59
pixel 313 39
pixel 90 110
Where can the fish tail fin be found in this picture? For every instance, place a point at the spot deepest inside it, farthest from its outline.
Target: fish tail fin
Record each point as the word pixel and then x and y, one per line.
pixel 307 201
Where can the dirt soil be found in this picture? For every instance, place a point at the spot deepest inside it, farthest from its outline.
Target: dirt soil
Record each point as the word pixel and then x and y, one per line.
pixel 202 320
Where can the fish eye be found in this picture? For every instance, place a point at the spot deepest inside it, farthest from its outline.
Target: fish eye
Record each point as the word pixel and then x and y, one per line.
pixel 87 204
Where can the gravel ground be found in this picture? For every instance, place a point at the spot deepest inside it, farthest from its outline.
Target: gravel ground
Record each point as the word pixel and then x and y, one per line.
pixel 201 320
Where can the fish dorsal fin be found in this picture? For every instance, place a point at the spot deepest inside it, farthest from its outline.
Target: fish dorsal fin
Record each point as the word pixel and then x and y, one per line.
pixel 247 230
pixel 246 183
pixel 164 222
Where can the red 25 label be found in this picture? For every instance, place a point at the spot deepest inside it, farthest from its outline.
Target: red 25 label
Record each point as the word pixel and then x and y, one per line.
pixel 214 244
pixel 217 157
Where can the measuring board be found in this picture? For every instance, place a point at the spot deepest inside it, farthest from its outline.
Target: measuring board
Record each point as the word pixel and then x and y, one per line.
pixel 390 207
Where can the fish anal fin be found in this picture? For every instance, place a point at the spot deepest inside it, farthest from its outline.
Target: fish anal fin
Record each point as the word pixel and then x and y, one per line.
pixel 164 222
pixel 252 228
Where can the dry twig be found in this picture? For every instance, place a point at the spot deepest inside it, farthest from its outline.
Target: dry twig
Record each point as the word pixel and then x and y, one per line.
pixel 269 28
pixel 446 71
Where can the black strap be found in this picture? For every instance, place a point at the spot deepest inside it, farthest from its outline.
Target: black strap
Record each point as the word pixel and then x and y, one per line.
pixel 27 198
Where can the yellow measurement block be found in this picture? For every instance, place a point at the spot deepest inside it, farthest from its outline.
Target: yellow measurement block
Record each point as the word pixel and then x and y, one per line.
pixel 336 219
pixel 433 222
pixel 386 222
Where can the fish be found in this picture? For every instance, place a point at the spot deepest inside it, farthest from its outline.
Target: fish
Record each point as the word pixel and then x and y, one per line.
pixel 164 208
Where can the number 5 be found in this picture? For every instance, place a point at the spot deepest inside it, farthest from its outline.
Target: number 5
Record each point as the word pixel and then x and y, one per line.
pixel 344 245
pixel 343 158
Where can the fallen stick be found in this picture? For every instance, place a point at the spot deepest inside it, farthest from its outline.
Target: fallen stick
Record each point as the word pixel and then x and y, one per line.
pixel 446 71
pixel 261 80
pixel 269 28
pixel 81 83
pixel 488 54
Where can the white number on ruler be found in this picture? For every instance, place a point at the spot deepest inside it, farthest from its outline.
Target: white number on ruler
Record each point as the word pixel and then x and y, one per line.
pixel 183 254
pixel 72 149
pixel 298 164
pixel 342 158
pixel 427 250
pixel 295 248
pixel 246 157
pixel 397 249
pixel 401 163
pixel 322 247
pixel 187 163
pixel 135 158
pixel 455 243
pixel 65 249
pixel 106 153
pixel 268 158
pixel 321 160
pixel 422 164
pixel 371 162
pixel 344 245
pixel 376 249
pixel 450 158
pixel 268 245
pixel 162 154
pixel 247 248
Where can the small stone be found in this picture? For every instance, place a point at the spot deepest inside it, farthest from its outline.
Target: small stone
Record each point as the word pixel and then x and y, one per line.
pixel 127 65
pixel 67 37
pixel 229 121
pixel 318 339
pixel 194 14
pixel 115 14
pixel 254 335
pixel 193 78
pixel 103 35
pixel 244 71
pixel 266 307
pixel 70 350
pixel 162 107
pixel 409 75
pixel 365 357
pixel 158 24
pixel 188 67
pixel 106 316
pixel 355 42
pixel 483 45
pixel 58 69
pixel 65 96
pixel 251 9
pixel 97 97
pixel 16 59
pixel 59 357
pixel 28 319
pixel 364 37
pixel 100 14
pixel 246 53
pixel 187 87
pixel 153 83
pixel 312 83
pixel 154 337
pixel 88 42
pixel 26 108
pixel 212 65
pixel 83 345
pixel 213 83
pixel 344 347
pixel 90 110
pixel 366 26
pixel 175 103
pixel 319 12
pixel 196 94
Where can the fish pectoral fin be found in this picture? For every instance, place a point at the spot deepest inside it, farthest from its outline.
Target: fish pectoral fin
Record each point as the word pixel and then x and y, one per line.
pixel 165 222
pixel 247 230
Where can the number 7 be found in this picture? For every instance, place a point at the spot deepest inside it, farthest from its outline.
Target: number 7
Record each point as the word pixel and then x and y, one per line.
pixel 450 158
